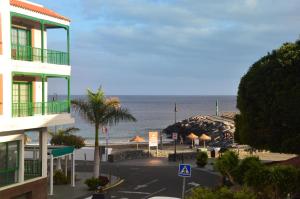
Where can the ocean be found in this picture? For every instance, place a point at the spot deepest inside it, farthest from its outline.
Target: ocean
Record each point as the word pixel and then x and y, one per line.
pixel 154 113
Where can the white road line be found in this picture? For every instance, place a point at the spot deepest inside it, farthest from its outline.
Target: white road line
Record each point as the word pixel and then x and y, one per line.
pixel 134 192
pixel 194 184
pixel 145 185
pixel 148 196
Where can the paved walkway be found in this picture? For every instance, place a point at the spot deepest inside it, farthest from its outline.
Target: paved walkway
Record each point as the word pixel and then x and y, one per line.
pixel 79 191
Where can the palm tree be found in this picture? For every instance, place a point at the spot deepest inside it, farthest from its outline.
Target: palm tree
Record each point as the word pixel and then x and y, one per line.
pixel 100 111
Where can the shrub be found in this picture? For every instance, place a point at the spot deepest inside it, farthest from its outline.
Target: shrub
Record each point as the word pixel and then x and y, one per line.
pixel 245 165
pixel 227 164
pixel 94 183
pixel 201 159
pixel 64 137
pixel 222 193
pixel 59 178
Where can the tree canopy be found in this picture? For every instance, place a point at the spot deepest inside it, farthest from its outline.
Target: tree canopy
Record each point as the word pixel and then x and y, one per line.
pixel 269 102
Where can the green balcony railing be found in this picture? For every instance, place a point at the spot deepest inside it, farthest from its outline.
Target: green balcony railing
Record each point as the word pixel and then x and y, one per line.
pixel 8 176
pixel 28 53
pixel 32 169
pixel 36 108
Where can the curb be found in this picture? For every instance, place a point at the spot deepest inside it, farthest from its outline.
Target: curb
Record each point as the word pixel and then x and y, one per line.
pixel 119 181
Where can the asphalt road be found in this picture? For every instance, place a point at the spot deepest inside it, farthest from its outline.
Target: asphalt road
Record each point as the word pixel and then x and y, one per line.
pixel 154 177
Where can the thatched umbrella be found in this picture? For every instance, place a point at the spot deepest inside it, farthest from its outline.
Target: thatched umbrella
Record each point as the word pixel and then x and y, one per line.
pixel 204 137
pixel 137 139
pixel 192 137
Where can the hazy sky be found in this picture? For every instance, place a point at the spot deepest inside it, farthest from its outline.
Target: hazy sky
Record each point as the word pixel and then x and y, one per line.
pixel 166 47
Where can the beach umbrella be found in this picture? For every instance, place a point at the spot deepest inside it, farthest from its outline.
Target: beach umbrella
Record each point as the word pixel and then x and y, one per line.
pixel 137 139
pixel 192 137
pixel 204 137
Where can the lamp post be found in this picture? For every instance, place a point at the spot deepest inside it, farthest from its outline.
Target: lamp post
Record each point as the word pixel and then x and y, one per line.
pixel 175 135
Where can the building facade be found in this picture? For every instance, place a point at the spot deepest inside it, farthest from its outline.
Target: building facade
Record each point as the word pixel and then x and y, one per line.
pixel 26 65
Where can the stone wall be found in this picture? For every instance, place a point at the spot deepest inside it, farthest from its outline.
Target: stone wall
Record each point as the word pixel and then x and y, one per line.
pixel 128 155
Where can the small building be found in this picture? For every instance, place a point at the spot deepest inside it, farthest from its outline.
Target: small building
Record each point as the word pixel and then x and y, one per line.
pixel 26 65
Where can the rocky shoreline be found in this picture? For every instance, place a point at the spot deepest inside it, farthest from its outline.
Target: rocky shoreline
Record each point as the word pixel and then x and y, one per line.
pixel 219 128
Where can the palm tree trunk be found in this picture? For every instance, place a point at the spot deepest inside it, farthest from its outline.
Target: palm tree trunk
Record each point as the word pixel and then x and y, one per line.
pixel 96 153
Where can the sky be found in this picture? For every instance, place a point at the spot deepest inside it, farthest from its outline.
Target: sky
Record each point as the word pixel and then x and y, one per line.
pixel 170 47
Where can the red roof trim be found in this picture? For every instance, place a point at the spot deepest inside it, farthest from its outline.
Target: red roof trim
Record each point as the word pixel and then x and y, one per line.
pixel 37 9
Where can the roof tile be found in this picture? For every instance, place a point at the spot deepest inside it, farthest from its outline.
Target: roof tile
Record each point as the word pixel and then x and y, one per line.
pixel 38 9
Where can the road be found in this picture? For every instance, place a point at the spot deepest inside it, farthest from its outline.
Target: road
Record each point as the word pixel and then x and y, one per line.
pixel 154 177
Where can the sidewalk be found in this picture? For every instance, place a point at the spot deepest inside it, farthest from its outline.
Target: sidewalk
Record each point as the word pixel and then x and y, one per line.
pixel 79 191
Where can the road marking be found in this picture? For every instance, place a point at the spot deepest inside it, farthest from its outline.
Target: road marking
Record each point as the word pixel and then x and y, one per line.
pixel 194 184
pixel 145 185
pixel 148 196
pixel 134 192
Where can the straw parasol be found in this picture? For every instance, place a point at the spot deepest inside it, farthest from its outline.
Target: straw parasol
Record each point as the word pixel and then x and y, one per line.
pixel 204 137
pixel 192 137
pixel 137 139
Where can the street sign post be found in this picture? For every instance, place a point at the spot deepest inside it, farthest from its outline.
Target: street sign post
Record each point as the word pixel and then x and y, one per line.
pixel 175 137
pixel 184 171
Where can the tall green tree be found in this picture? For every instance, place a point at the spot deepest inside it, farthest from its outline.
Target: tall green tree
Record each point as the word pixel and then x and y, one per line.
pixel 269 102
pixel 100 111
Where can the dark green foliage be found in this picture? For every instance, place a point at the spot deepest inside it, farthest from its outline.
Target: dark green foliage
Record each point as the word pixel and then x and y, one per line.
pixel 273 182
pixel 65 138
pixel 201 159
pixel 92 183
pixel 95 183
pixel 227 165
pixel 244 166
pixel 59 178
pixel 268 100
pixel 222 193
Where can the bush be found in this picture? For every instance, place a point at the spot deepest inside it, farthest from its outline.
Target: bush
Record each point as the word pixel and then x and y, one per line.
pixel 222 193
pixel 245 165
pixel 201 159
pixel 227 165
pixel 59 178
pixel 276 181
pixel 94 183
pixel 67 140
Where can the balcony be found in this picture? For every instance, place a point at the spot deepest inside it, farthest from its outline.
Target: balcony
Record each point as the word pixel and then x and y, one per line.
pixel 31 40
pixel 39 108
pixel 28 53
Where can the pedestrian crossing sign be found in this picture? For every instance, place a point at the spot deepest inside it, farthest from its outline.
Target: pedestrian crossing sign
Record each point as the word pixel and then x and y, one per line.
pixel 184 170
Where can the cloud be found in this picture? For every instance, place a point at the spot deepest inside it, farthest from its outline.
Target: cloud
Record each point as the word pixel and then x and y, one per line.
pixel 176 43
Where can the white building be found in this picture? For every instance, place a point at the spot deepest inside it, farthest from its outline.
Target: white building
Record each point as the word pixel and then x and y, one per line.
pixel 26 64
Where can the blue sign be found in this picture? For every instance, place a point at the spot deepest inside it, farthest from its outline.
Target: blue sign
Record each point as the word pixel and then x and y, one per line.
pixel 185 170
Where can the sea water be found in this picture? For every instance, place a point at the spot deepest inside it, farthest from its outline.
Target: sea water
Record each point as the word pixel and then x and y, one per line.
pixel 152 113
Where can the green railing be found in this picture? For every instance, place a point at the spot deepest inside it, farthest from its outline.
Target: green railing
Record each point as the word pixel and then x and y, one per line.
pixel 8 176
pixel 36 108
pixel 28 53
pixel 32 169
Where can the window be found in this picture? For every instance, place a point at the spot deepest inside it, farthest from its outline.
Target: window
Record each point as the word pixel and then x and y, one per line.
pixel 21 44
pixel 9 164
pixel 22 99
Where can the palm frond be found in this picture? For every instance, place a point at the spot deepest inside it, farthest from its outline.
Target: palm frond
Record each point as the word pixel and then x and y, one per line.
pixel 84 109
